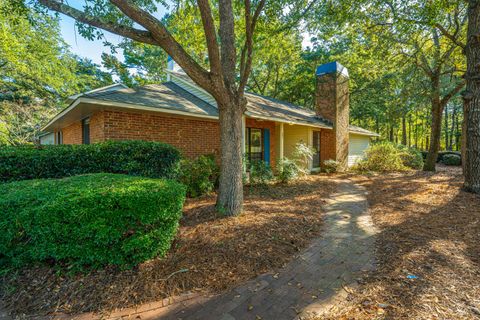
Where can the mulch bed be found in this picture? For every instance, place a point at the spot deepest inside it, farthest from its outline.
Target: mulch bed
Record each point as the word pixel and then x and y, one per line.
pixel 210 253
pixel 428 249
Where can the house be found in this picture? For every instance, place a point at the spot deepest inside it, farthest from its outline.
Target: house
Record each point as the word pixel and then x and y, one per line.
pixel 181 113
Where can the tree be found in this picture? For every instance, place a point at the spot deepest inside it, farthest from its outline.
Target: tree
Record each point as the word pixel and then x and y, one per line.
pixel 472 100
pixel 230 53
pixel 419 33
pixel 37 72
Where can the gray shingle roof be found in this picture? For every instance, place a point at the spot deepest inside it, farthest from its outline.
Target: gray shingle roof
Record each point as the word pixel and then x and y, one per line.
pixel 172 97
pixel 162 96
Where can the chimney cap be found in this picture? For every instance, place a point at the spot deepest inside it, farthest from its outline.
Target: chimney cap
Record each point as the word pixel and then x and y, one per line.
pixel 331 67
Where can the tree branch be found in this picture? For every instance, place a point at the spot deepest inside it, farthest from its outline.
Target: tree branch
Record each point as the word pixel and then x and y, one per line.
pixel 211 37
pixel 124 31
pixel 227 39
pixel 165 40
pixel 250 24
pixel 450 36
pixel 452 93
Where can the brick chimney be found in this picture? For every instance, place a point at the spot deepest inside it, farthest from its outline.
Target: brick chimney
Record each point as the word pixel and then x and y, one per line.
pixel 332 104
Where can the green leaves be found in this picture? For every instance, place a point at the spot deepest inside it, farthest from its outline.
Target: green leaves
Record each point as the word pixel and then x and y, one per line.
pixel 89 221
pixel 152 159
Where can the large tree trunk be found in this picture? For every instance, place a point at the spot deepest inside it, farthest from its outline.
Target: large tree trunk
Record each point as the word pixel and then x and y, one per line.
pixel 230 192
pixel 404 131
pixel 446 127
pixel 435 135
pixel 472 100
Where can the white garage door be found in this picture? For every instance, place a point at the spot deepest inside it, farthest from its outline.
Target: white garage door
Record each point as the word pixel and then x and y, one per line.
pixel 356 147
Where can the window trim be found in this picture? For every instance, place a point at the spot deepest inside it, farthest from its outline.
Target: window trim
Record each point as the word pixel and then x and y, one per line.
pixel 248 143
pixel 59 137
pixel 86 130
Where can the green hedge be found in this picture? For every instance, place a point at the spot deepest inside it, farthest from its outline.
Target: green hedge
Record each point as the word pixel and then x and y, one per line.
pixel 88 221
pixel 150 159
pixel 452 160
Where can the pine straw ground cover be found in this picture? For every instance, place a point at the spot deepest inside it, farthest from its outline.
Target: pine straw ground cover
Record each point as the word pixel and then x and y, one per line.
pixel 210 253
pixel 428 249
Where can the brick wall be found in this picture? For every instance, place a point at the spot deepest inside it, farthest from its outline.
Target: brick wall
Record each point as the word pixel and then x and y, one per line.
pixel 327 145
pixel 194 137
pixel 254 123
pixel 72 134
pixel 332 103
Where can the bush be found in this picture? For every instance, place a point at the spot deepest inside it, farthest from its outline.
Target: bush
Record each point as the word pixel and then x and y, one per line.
pixel 330 166
pixel 88 221
pixel 303 154
pixel 260 172
pixel 287 170
pixel 151 159
pixel 411 157
pixel 452 160
pixel 381 157
pixel 199 176
pixel 387 156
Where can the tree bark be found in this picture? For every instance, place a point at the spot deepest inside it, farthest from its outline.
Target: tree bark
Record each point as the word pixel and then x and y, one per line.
pixel 472 100
pixel 446 127
pixel 404 131
pixel 230 193
pixel 436 128
pixel 435 135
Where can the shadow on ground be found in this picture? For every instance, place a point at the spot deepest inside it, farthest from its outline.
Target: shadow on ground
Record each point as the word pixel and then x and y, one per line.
pixel 210 254
pixel 427 249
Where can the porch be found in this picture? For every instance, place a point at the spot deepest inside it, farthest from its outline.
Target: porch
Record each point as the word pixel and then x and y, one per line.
pixel 271 141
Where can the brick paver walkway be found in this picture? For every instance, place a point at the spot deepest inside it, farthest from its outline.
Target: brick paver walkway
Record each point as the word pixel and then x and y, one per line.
pixel 309 285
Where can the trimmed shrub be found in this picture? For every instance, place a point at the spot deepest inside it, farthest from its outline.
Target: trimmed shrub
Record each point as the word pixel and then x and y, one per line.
pixel 260 172
pixel 452 160
pixel 411 157
pixel 441 154
pixel 199 176
pixel 88 221
pixel 381 157
pixel 330 166
pixel 150 159
pixel 287 170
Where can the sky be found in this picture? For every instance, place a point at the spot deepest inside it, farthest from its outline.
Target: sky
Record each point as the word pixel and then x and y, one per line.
pixel 94 49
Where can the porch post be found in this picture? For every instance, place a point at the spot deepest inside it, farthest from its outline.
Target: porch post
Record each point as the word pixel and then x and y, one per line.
pixel 280 156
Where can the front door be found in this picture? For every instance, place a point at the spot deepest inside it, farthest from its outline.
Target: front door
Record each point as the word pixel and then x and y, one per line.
pixel 316 147
pixel 257 145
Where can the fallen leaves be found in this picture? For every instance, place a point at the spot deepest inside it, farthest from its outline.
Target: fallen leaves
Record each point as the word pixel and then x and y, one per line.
pixel 218 253
pixel 427 250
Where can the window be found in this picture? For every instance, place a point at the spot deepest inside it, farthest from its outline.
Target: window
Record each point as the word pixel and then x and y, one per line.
pixel 254 144
pixel 316 146
pixel 86 131
pixel 59 137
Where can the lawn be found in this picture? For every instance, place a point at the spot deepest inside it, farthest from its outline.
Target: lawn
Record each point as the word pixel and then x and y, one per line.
pixel 427 251
pixel 209 254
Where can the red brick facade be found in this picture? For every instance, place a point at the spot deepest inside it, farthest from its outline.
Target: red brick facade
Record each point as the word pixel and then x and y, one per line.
pixel 327 145
pixel 193 137
pixel 332 103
